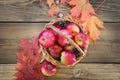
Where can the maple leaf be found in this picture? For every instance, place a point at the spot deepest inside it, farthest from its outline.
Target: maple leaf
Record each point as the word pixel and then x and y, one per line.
pixel 54 9
pixel 92 26
pixel 28 64
pixel 82 9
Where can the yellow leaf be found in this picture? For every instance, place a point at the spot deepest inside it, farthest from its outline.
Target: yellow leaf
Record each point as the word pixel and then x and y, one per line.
pixel 92 26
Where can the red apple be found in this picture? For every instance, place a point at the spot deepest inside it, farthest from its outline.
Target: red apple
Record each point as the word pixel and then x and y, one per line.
pixel 62 40
pixel 68 57
pixel 55 51
pixel 48 69
pixel 47 38
pixel 58 27
pixel 69 47
pixel 82 39
pixel 73 28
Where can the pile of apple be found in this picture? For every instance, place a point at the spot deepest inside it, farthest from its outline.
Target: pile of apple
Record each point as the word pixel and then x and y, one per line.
pixel 58 46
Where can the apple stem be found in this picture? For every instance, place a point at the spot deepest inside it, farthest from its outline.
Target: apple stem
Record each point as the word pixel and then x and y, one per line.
pixel 100 5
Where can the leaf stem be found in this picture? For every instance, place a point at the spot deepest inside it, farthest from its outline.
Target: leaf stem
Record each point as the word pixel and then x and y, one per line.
pixel 100 5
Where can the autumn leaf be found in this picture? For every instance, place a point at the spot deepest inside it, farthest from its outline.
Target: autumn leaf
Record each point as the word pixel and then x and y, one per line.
pixel 28 63
pixel 92 26
pixel 82 9
pixel 53 10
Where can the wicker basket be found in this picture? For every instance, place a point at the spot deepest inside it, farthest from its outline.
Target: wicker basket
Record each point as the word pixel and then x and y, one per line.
pixel 46 54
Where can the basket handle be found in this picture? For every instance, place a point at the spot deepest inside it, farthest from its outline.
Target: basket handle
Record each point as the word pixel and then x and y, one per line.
pixel 42 54
pixel 69 39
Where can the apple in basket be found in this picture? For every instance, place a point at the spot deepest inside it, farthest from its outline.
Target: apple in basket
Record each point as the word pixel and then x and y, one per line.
pixel 68 57
pixel 55 51
pixel 58 27
pixel 48 69
pixel 69 47
pixel 61 39
pixel 73 28
pixel 82 39
pixel 47 38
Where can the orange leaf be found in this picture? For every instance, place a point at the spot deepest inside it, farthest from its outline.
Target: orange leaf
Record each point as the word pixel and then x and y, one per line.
pixel 92 26
pixel 53 10
pixel 82 9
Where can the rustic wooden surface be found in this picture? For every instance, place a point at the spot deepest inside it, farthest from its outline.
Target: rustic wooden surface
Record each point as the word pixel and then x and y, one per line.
pixel 79 72
pixel 28 11
pixel 105 50
pixel 24 19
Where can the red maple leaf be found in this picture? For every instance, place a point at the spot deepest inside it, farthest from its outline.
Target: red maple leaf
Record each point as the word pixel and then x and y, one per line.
pixel 28 64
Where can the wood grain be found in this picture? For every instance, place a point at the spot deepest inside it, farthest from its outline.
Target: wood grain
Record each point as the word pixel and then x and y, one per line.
pixel 29 10
pixel 79 72
pixel 105 50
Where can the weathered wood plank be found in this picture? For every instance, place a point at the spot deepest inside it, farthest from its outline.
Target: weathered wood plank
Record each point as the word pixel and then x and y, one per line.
pixel 26 10
pixel 106 49
pixel 79 72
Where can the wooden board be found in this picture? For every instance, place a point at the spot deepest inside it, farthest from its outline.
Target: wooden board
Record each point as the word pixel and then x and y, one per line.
pixel 106 50
pixel 79 72
pixel 29 11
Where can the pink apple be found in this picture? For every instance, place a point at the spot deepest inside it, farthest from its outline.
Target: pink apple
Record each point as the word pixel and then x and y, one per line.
pixel 82 39
pixel 61 39
pixel 58 27
pixel 68 57
pixel 69 47
pixel 48 69
pixel 73 28
pixel 55 51
pixel 47 38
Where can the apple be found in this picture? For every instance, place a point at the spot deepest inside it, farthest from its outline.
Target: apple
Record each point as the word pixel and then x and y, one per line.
pixel 47 38
pixel 68 57
pixel 48 69
pixel 73 28
pixel 82 39
pixel 58 27
pixel 55 51
pixel 61 39
pixel 69 47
